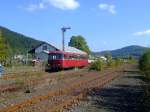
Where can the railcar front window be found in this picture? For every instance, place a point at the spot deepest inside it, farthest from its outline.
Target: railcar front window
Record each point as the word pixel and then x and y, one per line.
pixel 55 56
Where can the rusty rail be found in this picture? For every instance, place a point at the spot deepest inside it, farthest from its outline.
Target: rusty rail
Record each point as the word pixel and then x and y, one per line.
pixel 62 91
pixel 58 92
pixel 66 104
pixel 33 82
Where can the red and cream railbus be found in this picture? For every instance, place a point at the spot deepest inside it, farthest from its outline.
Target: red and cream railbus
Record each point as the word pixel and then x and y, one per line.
pixel 62 60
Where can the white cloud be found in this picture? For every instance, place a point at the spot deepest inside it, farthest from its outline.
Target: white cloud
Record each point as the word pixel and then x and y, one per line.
pixel 31 7
pixel 107 7
pixel 61 4
pixel 142 33
pixel 34 7
pixel 64 4
pixel 42 6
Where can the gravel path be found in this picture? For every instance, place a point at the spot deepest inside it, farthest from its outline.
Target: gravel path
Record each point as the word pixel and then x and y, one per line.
pixel 124 94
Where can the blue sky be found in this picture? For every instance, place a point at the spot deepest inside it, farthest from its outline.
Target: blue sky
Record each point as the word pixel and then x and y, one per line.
pixel 105 24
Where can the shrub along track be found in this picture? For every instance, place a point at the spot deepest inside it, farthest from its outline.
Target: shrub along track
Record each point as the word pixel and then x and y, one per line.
pixel 65 96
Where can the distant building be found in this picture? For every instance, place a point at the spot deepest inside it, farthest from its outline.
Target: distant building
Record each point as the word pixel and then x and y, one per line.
pixel 20 57
pixel 94 58
pixel 41 51
pixel 103 58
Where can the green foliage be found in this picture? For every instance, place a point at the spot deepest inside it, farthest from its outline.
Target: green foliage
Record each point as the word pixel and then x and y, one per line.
pixel 144 64
pixel 130 57
pixel 19 81
pixel 136 51
pixel 109 61
pixel 108 55
pixel 97 65
pixel 118 62
pixel 113 62
pixel 4 49
pixel 18 43
pixel 80 43
pixel 132 60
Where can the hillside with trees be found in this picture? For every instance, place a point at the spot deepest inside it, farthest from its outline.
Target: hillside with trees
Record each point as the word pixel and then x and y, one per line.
pixel 4 49
pixel 79 42
pixel 134 50
pixel 18 43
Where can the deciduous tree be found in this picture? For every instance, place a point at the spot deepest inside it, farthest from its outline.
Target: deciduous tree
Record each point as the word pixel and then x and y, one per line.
pixel 79 42
pixel 4 49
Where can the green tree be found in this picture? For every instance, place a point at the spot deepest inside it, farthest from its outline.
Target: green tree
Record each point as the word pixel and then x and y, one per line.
pixel 18 43
pixel 80 43
pixel 108 56
pixel 131 60
pixel 144 63
pixel 130 57
pixel 118 62
pixel 109 59
pixel 3 49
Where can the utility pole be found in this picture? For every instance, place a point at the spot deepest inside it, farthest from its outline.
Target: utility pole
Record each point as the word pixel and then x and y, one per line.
pixel 64 29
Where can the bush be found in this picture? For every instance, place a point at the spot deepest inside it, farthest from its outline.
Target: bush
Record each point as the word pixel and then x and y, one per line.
pixel 111 63
pixel 144 64
pixel 132 60
pixel 118 62
pixel 97 65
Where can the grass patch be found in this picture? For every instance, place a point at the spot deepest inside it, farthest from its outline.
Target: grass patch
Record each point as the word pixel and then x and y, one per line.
pixel 19 81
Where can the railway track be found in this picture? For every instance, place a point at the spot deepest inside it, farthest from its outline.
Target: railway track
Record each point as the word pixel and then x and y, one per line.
pixel 67 103
pixel 33 82
pixel 13 75
pixel 80 89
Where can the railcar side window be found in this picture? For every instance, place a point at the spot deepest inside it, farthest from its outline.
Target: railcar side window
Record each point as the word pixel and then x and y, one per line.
pixel 55 56
pixel 66 56
pixel 74 57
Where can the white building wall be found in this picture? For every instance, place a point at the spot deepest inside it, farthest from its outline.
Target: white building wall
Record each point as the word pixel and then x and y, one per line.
pixel 42 56
pixel 40 48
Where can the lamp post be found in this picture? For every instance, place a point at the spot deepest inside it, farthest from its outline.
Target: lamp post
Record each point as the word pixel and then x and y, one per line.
pixel 64 29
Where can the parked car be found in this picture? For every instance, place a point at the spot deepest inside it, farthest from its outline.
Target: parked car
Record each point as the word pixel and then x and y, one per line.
pixel 1 69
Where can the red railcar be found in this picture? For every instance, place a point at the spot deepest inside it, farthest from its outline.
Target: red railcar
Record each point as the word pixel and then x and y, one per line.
pixel 63 60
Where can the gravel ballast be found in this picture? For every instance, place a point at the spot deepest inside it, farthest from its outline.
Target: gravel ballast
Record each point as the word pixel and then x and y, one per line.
pixel 124 94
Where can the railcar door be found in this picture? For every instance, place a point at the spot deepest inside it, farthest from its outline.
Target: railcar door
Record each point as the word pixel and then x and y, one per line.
pixel 55 60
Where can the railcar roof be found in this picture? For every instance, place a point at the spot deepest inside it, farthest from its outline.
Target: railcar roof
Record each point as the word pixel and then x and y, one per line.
pixel 69 49
pixel 64 52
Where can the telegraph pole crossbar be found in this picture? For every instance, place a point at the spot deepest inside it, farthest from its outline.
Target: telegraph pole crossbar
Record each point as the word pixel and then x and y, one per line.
pixel 64 29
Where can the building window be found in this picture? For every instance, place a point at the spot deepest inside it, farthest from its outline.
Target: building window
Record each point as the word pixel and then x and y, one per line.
pixel 45 47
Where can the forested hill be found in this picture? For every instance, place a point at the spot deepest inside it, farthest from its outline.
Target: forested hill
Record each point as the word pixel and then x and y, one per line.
pixel 133 50
pixel 18 43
